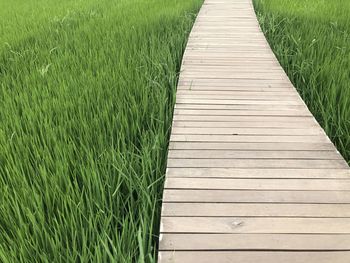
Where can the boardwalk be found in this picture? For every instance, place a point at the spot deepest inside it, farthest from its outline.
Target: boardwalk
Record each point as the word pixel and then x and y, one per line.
pixel 251 175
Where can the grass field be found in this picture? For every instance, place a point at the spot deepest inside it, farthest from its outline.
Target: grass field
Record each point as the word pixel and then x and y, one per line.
pixel 86 95
pixel 312 42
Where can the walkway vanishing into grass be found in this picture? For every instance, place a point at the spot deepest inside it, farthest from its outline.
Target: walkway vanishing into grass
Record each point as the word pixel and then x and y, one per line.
pixel 251 175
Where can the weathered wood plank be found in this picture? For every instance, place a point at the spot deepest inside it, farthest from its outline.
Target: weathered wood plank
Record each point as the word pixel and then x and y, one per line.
pixel 252 119
pixel 243 107
pixel 317 173
pixel 233 75
pixel 245 124
pixel 255 225
pixel 246 93
pixel 258 184
pixel 200 112
pixel 243 68
pixel 248 138
pixel 257 163
pixel 237 101
pixel 267 97
pixel 236 242
pixel 255 210
pixel 199 87
pixel 251 154
pixel 243 196
pixel 224 82
pixel 246 131
pixel 248 89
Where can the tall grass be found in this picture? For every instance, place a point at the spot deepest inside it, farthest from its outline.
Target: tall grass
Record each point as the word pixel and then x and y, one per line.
pixel 87 92
pixel 311 39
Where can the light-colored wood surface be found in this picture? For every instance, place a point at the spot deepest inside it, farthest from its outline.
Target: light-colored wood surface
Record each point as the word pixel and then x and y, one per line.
pixel 254 242
pixel 251 175
pixel 255 196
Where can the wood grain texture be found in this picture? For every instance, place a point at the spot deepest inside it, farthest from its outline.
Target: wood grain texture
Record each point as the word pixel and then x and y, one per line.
pixel 266 173
pixel 258 184
pixel 255 196
pixel 262 225
pixel 251 176
pixel 255 210
pixel 285 242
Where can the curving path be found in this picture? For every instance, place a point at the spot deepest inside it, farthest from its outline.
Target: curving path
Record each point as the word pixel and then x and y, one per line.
pixel 251 175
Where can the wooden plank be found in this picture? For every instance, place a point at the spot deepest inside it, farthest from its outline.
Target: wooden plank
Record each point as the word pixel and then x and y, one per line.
pixel 210 112
pixel 258 184
pixel 203 25
pixel 245 124
pixel 253 257
pixel 228 49
pixel 257 163
pixel 243 196
pixel 234 56
pixel 239 67
pixel 243 107
pixel 248 138
pixel 267 97
pixel 181 172
pixel 246 131
pixel 227 44
pixel 204 15
pixel 219 15
pixel 260 154
pixel 203 41
pixel 255 242
pixel 255 210
pixel 268 119
pixel 236 101
pixel 261 118
pixel 255 225
pixel 246 93
pixel 231 37
pixel 242 34
pixel 222 82
pixel 202 28
pixel 233 75
pixel 225 61
pixel 231 88
pixel 242 67
pixel 245 63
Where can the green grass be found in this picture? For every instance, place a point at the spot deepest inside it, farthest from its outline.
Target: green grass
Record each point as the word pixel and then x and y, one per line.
pixel 311 39
pixel 86 93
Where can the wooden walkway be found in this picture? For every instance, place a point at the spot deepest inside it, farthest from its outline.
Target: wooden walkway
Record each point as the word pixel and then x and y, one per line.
pixel 251 175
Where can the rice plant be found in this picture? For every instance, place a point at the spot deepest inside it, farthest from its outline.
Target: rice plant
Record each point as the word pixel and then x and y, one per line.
pixel 87 93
